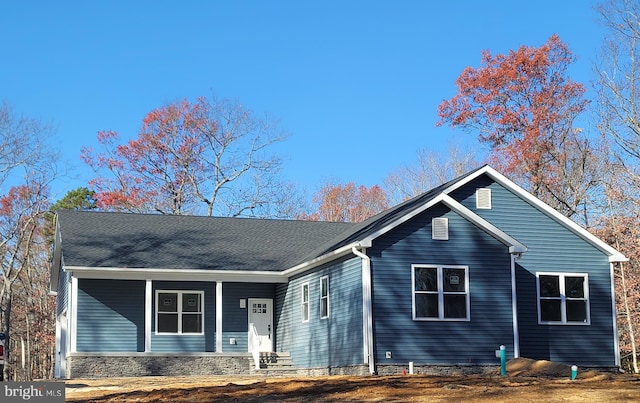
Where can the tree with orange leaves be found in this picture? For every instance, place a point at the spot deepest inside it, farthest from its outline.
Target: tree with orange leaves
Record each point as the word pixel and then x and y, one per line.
pixel 523 105
pixel 210 153
pixel 347 203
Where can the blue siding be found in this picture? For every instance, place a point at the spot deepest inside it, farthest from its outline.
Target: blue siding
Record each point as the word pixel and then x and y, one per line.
pixel 187 343
pixel 441 342
pixel 552 248
pixel 331 342
pixel 62 301
pixel 234 318
pixel 110 316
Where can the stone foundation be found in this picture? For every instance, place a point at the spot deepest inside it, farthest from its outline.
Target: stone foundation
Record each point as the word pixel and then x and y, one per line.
pixel 88 365
pixel 471 369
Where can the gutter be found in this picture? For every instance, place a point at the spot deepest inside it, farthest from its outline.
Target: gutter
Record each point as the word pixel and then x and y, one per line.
pixel 367 319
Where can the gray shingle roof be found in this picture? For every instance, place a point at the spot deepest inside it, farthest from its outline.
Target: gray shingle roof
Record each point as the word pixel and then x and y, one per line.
pixel 99 239
pixel 125 240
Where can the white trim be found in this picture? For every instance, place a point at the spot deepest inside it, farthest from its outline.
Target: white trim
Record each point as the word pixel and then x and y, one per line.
pixel 614 314
pixel 305 305
pixel 327 257
pixel 148 314
pixel 614 255
pixel 367 309
pixel 324 297
pixel 122 273
pixel 74 314
pixel 441 293
pixel 58 356
pixel 180 312
pixel 514 309
pixel 513 244
pixel 219 317
pixel 563 298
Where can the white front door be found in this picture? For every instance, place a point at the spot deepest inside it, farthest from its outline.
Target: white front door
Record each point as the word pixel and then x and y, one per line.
pixel 261 316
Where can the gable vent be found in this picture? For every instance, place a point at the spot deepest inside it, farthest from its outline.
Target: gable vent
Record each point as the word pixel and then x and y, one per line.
pixel 483 198
pixel 440 228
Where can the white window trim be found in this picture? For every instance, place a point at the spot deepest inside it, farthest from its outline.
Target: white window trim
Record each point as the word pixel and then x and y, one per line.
pixel 305 305
pixel 441 293
pixel 324 297
pixel 563 298
pixel 179 308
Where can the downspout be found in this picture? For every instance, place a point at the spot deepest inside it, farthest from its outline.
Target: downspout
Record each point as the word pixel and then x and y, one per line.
pixel 367 320
pixel 514 305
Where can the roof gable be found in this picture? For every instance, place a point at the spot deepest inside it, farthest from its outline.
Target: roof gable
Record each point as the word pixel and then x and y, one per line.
pixel 614 255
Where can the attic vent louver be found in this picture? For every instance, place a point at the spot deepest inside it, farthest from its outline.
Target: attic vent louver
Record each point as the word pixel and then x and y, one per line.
pixel 483 198
pixel 440 228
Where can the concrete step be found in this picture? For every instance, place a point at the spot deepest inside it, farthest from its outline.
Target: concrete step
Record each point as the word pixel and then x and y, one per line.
pixel 276 363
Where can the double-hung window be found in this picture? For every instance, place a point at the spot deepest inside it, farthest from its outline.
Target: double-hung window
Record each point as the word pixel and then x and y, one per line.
pixel 324 297
pixel 440 292
pixel 305 302
pixel 563 298
pixel 179 312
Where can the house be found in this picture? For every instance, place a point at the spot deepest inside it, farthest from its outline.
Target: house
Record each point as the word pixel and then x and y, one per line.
pixel 441 281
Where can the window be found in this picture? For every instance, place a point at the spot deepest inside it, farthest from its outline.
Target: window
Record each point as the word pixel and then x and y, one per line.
pixel 440 228
pixel 563 298
pixel 305 302
pixel 440 292
pixel 324 297
pixel 483 198
pixel 179 312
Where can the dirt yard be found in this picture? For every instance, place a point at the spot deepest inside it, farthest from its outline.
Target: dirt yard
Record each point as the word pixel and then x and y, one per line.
pixel 526 381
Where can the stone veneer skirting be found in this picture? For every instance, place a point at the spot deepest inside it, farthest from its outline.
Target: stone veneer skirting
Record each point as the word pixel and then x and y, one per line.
pixel 106 365
pixel 87 365
pixel 94 365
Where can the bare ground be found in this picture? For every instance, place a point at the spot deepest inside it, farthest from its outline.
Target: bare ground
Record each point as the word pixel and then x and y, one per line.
pixel 526 381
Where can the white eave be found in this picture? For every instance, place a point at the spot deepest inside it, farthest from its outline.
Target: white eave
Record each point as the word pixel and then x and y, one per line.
pixel 515 247
pixel 614 255
pixel 144 273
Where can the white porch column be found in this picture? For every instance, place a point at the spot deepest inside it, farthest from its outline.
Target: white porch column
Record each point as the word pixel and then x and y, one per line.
pixel 148 312
pixel 74 312
pixel 218 316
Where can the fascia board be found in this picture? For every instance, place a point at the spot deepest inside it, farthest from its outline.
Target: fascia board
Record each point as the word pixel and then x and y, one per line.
pixel 327 257
pixel 614 255
pixel 369 239
pixel 122 273
pixel 513 244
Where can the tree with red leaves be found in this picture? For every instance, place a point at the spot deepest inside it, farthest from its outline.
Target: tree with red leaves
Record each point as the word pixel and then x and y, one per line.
pixel 523 105
pixel 26 168
pixel 189 154
pixel 347 203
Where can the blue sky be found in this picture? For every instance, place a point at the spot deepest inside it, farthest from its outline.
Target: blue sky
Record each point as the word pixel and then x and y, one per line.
pixel 356 83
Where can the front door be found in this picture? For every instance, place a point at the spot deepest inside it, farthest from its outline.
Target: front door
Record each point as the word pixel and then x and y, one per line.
pixel 261 316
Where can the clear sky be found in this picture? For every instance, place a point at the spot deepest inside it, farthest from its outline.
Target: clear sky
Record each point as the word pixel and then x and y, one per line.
pixel 355 83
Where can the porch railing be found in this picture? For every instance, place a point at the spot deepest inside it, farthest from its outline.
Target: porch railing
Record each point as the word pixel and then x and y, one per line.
pixel 254 342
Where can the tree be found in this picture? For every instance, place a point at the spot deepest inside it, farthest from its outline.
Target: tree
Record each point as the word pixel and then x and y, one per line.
pixel 431 170
pixel 77 199
pixel 26 169
pixel 618 84
pixel 523 105
pixel 21 213
pixel 347 203
pixel 618 116
pixel 188 154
